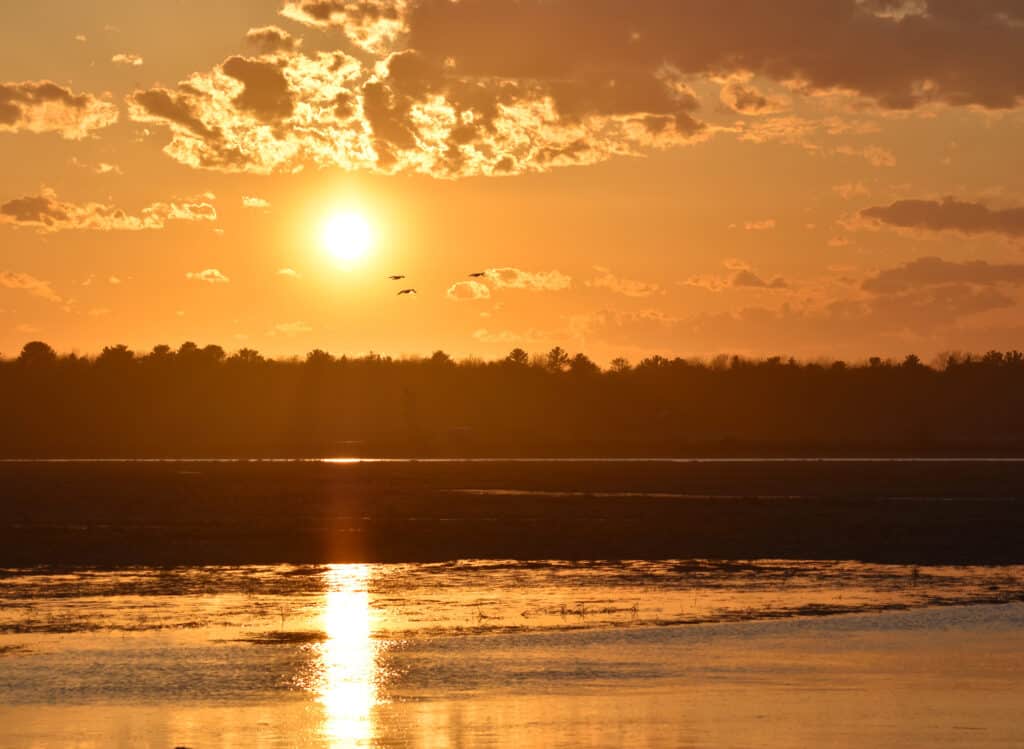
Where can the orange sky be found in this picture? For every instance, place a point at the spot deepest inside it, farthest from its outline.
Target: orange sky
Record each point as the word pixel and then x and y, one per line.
pixel 834 179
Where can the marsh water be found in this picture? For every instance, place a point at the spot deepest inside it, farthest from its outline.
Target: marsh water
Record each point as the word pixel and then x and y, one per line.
pixel 494 653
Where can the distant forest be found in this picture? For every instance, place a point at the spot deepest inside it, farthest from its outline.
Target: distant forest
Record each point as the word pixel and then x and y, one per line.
pixel 201 402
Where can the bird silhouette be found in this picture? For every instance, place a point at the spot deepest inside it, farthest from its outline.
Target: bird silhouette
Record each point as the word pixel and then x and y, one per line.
pixel 477 275
pixel 406 291
pixel 395 278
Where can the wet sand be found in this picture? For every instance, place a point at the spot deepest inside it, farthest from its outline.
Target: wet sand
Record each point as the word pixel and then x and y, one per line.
pixel 168 513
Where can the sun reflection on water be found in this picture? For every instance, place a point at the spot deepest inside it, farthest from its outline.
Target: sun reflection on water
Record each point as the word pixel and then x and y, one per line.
pixel 348 687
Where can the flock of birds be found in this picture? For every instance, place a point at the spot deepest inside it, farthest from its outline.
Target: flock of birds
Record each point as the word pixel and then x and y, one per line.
pixel 479 274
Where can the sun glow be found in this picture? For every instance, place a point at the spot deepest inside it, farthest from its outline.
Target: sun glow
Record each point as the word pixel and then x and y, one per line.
pixel 347 237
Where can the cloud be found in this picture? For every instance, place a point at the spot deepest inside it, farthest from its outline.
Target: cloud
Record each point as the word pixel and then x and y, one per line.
pixel 289 273
pixel 269 39
pixel 100 168
pixel 951 52
pixel 745 99
pixel 290 329
pixel 29 284
pixel 625 286
pixel 874 155
pixel 126 58
pixel 948 214
pixel 749 279
pixel 930 316
pixel 253 202
pixel 210 275
pixel 114 281
pixel 45 107
pixel 514 278
pixel 933 271
pixel 409 113
pixel 850 190
pixel 742 277
pixel 372 24
pixel 763 225
pixel 449 89
pixel 46 213
pixel 265 91
pixel 498 336
pixel 468 290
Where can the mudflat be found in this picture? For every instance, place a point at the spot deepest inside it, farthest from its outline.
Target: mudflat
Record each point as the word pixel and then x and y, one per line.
pixel 258 512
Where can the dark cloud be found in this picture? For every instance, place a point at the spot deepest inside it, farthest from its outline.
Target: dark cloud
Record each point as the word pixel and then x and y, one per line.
pixel 266 93
pixel 173 107
pixel 956 52
pixel 44 106
pixel 745 99
pixel 39 209
pixel 269 39
pixel 748 278
pixel 742 277
pixel 933 271
pixel 949 214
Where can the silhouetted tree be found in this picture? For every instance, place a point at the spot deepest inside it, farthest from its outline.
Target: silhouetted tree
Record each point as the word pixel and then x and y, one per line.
pixel 557 359
pixel 196 401
pixel 582 365
pixel 440 358
pixel 37 354
pixel 246 356
pixel 518 357
pixel 116 356
pixel 319 358
pixel 620 365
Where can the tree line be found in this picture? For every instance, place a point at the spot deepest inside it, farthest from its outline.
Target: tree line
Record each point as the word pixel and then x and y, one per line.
pixel 201 402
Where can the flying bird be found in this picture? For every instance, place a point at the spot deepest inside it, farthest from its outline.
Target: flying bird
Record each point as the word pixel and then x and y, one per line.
pixel 477 275
pixel 395 278
pixel 406 291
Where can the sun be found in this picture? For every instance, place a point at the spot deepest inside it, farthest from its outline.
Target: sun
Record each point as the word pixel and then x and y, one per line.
pixel 347 236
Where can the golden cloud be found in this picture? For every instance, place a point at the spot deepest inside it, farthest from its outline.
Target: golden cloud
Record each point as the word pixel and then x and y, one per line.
pixel 46 213
pixel 209 275
pixel 45 107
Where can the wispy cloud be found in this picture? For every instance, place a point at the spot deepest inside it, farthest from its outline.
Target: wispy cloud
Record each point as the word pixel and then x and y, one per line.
pixel 625 286
pixel 468 290
pixel 516 278
pixel 30 284
pixel 290 329
pixel 209 275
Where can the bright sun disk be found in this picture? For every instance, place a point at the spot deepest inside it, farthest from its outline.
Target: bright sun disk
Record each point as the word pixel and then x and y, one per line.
pixel 347 236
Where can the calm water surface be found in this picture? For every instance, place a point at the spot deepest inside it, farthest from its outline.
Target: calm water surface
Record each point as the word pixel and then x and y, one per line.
pixel 678 653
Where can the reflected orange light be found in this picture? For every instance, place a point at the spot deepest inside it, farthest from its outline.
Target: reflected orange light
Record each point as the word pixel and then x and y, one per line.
pixel 348 686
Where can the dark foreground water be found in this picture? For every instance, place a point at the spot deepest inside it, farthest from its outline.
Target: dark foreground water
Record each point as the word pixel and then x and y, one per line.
pixel 490 653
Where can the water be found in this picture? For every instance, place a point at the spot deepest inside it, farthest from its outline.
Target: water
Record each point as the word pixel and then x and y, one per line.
pixel 493 653
pixel 541 460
